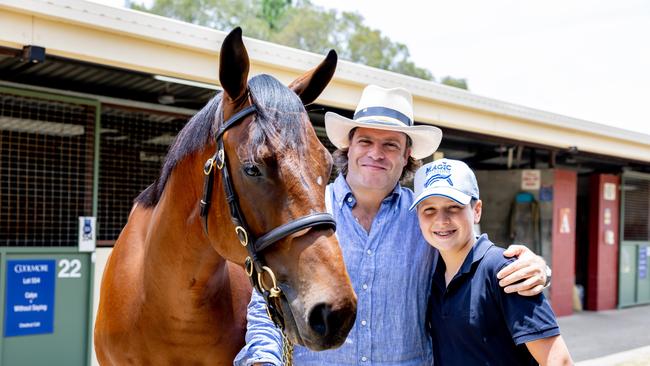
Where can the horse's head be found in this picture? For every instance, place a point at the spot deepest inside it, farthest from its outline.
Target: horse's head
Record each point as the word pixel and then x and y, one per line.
pixel 279 170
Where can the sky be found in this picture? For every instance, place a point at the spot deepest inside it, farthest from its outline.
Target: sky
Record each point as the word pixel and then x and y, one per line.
pixel 588 59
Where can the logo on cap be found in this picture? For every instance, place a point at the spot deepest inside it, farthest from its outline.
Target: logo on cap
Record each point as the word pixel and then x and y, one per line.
pixel 442 172
pixel 438 177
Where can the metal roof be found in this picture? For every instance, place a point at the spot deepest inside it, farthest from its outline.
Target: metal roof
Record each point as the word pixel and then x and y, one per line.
pixel 69 74
pixel 147 44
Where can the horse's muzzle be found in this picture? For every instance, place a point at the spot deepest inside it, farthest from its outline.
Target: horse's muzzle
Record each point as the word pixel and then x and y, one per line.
pixel 330 324
pixel 324 326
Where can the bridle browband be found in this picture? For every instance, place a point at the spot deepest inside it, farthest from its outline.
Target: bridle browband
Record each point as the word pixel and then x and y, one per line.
pixel 255 268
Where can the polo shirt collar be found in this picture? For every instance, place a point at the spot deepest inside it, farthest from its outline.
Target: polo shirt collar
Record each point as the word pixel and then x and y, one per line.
pixel 475 254
pixel 343 193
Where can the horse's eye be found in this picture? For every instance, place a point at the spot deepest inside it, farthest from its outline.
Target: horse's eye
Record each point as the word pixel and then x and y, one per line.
pixel 252 171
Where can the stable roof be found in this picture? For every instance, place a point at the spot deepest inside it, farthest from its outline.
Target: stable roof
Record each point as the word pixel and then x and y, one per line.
pixel 152 45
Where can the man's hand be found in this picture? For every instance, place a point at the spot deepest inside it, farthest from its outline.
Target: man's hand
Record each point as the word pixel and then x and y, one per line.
pixel 529 267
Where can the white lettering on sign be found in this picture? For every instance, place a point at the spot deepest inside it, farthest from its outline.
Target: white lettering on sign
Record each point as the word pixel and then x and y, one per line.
pixel 29 325
pixel 31 296
pixel 22 268
pixel 29 308
pixel 31 280
pixel 70 268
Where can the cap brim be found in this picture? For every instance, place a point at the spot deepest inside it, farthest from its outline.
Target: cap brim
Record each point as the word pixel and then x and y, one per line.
pixel 426 139
pixel 447 192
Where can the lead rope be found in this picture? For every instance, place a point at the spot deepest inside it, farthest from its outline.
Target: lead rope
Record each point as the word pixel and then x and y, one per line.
pixel 287 350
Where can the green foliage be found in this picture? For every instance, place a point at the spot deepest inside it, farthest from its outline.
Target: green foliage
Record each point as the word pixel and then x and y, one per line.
pixel 457 83
pixel 298 24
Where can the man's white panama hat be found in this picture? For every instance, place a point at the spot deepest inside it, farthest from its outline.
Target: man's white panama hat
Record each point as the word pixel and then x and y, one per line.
pixel 384 109
pixel 448 178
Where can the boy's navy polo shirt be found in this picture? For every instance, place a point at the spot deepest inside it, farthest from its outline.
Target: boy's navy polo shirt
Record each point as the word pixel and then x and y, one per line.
pixel 474 322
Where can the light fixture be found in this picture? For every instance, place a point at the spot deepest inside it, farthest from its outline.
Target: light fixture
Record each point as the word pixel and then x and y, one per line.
pixel 15 124
pixel 193 83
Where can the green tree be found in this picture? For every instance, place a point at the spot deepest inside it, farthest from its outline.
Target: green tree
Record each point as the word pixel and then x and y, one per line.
pixel 458 83
pixel 299 24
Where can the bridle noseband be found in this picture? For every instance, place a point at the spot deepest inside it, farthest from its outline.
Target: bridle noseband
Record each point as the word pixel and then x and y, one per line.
pixel 255 267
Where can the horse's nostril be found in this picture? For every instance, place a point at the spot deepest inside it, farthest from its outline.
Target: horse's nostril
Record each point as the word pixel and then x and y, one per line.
pixel 318 319
pixel 330 323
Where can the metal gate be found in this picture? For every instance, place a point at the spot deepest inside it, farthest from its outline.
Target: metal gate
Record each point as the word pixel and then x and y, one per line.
pixel 134 143
pixel 634 274
pixel 47 165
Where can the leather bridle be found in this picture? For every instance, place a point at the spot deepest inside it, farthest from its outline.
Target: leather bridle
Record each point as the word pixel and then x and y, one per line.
pixel 255 267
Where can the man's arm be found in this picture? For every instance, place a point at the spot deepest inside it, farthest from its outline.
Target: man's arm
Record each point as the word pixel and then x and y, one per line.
pixel 550 351
pixel 263 338
pixel 526 275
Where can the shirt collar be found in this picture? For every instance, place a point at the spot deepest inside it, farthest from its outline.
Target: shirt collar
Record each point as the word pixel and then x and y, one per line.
pixel 343 193
pixel 475 254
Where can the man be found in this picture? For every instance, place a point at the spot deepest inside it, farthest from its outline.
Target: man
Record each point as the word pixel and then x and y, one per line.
pixel 389 263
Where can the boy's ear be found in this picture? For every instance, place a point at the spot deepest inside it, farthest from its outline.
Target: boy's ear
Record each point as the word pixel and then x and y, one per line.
pixel 478 209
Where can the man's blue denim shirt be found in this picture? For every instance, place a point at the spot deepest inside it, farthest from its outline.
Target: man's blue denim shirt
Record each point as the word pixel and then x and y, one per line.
pixel 391 270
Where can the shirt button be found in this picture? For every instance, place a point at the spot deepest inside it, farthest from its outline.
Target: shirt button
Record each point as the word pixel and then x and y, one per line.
pixel 369 252
pixel 364 359
pixel 363 322
pixel 350 199
pixel 365 287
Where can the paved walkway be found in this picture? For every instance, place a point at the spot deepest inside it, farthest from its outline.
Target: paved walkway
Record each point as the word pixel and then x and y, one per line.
pixel 613 337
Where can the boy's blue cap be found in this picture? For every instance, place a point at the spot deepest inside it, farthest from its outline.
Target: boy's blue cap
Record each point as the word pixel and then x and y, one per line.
pixel 446 178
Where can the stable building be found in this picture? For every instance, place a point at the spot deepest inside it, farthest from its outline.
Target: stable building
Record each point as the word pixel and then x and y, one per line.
pixel 91 96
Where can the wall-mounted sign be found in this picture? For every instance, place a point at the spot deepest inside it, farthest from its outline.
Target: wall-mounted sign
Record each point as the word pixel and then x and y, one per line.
pixel 546 193
pixel 609 237
pixel 86 233
pixel 607 216
pixel 565 222
pixel 609 192
pixel 531 179
pixel 643 262
pixel 30 297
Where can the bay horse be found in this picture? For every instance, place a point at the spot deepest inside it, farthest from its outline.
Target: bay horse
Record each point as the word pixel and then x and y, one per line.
pixel 176 285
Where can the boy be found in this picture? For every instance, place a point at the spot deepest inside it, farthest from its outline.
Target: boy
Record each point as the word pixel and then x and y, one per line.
pixel 473 320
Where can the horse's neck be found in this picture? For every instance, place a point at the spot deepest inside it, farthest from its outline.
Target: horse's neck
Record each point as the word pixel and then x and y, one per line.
pixel 179 256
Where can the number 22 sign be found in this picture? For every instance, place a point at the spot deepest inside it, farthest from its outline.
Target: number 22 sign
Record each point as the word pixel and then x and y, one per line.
pixel 69 268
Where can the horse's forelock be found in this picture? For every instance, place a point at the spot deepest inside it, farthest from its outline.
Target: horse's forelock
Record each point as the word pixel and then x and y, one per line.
pixel 279 124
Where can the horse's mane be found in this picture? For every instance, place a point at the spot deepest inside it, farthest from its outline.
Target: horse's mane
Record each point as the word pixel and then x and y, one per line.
pixel 279 123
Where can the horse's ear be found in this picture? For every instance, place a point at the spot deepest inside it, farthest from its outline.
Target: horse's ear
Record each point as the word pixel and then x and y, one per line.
pixel 233 66
pixel 313 82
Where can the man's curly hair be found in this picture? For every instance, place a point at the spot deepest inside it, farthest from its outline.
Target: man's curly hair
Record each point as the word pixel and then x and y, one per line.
pixel 341 161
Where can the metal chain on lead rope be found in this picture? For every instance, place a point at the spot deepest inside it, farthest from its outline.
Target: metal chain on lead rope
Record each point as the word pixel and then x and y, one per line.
pixel 287 350
pixel 270 292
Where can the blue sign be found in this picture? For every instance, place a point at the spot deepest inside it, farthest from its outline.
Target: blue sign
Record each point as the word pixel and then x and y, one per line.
pixel 643 262
pixel 546 193
pixel 30 297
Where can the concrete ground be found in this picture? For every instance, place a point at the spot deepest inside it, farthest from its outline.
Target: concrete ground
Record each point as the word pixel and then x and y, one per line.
pixel 613 337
